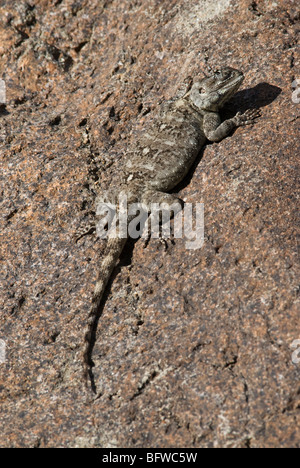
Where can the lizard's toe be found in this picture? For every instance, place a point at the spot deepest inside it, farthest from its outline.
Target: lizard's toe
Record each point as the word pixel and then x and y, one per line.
pixel 249 117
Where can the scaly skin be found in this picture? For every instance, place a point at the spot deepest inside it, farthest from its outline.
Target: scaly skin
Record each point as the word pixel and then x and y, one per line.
pixel 162 157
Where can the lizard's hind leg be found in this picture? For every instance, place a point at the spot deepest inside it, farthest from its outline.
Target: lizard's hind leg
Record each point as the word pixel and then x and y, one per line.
pixel 162 208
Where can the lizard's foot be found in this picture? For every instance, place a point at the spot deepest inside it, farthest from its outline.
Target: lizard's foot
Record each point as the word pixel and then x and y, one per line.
pixel 85 229
pixel 162 241
pixel 165 242
pixel 247 118
pixel 167 206
pixel 163 238
pixel 146 238
pixel 82 232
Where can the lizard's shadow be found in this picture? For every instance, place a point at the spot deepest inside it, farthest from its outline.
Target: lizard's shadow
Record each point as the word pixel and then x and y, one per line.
pixel 259 96
pixel 3 110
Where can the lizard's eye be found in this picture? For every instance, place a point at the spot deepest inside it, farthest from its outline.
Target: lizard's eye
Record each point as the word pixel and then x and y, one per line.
pixel 227 74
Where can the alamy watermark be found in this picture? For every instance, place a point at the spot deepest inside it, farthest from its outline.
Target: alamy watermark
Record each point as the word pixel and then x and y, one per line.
pixel 2 351
pixel 2 92
pixel 296 354
pixel 138 220
pixel 296 93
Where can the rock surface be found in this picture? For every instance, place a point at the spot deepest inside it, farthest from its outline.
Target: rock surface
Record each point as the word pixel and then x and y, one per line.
pixel 194 347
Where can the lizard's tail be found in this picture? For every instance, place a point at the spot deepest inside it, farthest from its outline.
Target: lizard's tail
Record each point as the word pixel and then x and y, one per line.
pixel 112 253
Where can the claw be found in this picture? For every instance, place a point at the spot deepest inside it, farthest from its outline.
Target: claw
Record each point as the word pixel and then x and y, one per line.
pixel 248 117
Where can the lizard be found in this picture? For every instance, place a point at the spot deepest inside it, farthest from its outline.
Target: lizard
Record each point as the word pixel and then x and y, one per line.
pixel 161 158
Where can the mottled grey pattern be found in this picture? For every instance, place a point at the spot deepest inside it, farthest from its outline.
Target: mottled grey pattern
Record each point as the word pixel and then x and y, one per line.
pixel 162 157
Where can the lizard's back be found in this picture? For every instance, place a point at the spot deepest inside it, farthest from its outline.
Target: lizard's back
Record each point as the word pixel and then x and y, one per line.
pixel 166 151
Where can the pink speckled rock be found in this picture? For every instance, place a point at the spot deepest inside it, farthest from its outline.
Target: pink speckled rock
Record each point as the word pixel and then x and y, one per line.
pixel 194 347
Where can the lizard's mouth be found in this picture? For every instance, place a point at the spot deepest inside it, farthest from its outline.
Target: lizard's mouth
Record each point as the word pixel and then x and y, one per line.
pixel 232 84
pixel 229 87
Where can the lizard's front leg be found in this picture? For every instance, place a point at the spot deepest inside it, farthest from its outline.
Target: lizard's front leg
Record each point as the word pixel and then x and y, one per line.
pixel 215 130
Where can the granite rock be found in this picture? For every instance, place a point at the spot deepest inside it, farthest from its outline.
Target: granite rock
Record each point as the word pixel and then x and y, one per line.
pixel 194 348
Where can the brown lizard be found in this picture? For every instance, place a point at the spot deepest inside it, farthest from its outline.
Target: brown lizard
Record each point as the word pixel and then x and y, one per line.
pixel 162 157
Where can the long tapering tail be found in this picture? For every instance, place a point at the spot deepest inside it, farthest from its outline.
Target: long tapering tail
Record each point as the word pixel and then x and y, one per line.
pixel 113 251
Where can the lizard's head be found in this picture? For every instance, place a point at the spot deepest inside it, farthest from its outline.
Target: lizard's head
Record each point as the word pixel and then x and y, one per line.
pixel 211 93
